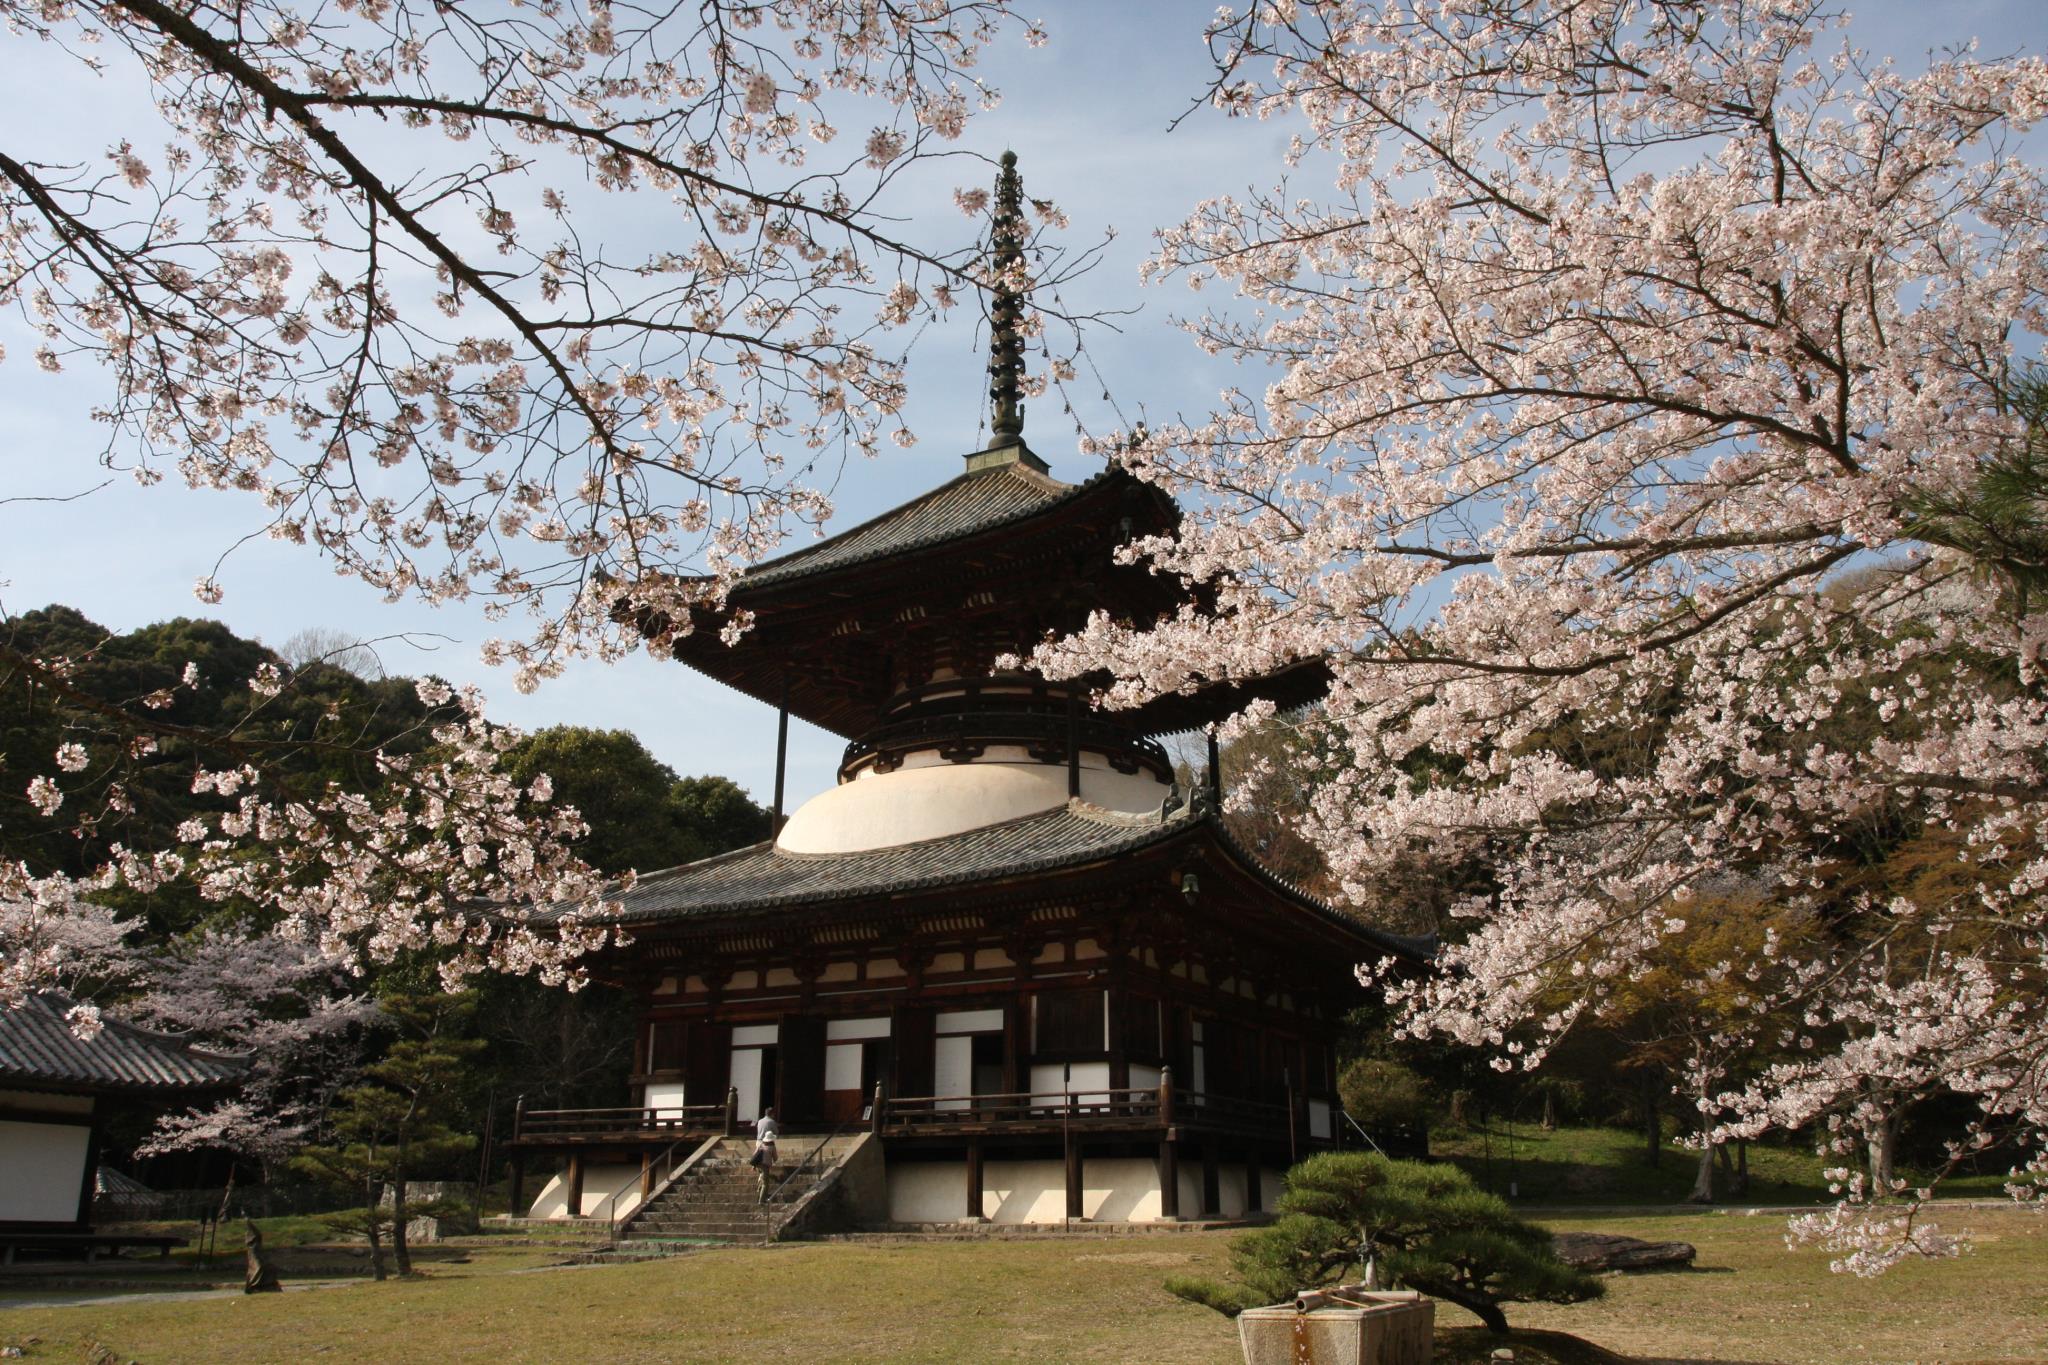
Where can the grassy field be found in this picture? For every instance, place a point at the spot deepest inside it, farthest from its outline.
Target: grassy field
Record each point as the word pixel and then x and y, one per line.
pixel 494 1298
pixel 1606 1166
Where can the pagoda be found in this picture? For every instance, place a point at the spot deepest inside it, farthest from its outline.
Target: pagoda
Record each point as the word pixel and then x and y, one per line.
pixel 1022 974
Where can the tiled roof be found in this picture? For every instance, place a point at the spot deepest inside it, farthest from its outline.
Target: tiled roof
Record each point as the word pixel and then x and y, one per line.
pixel 969 505
pixel 763 878
pixel 37 1047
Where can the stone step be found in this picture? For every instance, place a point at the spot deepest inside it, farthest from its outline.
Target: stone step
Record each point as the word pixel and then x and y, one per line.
pixel 719 1199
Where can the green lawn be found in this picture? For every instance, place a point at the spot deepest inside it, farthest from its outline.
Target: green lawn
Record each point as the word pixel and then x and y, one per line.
pixel 1051 1301
pixel 1600 1166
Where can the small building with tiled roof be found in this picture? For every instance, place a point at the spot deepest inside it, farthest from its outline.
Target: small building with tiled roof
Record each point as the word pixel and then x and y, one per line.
pixel 57 1092
pixel 1036 976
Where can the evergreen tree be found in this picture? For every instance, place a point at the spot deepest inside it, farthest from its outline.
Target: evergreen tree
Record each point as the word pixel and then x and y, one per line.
pixel 395 1125
pixel 1411 1223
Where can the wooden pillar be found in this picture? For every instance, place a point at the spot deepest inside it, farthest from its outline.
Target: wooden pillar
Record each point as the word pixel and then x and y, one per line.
pixel 1212 1182
pixel 781 757
pixel 875 1112
pixel 518 1208
pixel 1215 769
pixel 1251 1181
pixel 974 1181
pixel 1169 1181
pixel 646 1173
pixel 732 1109
pixel 1119 1057
pixel 574 1203
pixel 1073 1164
pixel 1016 1070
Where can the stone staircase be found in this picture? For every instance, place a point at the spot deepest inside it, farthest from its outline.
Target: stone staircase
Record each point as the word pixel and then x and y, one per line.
pixel 718 1198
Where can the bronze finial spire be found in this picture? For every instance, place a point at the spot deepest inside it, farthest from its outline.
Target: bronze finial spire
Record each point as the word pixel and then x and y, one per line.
pixel 1006 314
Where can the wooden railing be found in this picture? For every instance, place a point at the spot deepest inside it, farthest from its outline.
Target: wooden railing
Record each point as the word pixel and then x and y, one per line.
pixel 1089 1108
pixel 1148 1108
pixel 673 1121
pixel 1152 1107
pixel 1230 1111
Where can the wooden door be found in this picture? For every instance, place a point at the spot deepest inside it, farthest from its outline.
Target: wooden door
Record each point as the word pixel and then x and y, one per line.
pixel 913 1033
pixel 710 1066
pixel 800 1071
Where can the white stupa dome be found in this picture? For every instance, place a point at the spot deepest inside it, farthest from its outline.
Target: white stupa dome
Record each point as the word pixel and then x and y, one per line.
pixel 930 797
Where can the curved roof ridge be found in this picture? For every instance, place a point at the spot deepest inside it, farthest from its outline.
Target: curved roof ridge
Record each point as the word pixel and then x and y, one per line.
pixel 1029 493
pixel 38 1047
pixel 1423 946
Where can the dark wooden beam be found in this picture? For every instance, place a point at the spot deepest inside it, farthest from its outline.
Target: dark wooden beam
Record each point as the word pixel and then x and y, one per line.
pixel 1169 1181
pixel 1074 1191
pixel 781 758
pixel 974 1181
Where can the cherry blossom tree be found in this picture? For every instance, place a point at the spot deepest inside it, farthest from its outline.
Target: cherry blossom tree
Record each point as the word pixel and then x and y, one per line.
pixel 281 1004
pixel 371 268
pixel 439 848
pixel 1607 390
pixel 571 308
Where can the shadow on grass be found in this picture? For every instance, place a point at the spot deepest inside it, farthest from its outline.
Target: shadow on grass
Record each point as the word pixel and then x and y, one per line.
pixel 1532 1346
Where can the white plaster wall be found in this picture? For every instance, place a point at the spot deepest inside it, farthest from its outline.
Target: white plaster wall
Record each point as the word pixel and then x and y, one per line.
pixel 842 1066
pixel 1229 1190
pixel 928 1191
pixel 1090 1082
pixel 840 1030
pixel 1318 1119
pixel 882 810
pixel 953 1070
pixel 1144 1077
pixel 665 1095
pixel 1119 1189
pixel 969 1021
pixel 598 1184
pixel 1114 1190
pixel 746 1078
pixel 45 1169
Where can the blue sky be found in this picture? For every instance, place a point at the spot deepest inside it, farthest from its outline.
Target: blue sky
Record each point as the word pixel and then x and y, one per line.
pixel 1087 115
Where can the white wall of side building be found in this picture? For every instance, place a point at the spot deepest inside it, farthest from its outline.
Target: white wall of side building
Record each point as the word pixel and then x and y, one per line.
pixel 599 1183
pixel 45 1170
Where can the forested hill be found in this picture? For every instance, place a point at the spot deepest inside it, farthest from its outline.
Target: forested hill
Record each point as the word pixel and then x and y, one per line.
pixel 325 725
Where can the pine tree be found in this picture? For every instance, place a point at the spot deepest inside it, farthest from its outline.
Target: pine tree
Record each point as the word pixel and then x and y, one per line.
pixel 1417 1224
pixel 395 1124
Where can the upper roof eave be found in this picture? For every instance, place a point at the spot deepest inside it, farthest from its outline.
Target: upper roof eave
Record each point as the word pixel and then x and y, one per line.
pixel 949 862
pixel 832 554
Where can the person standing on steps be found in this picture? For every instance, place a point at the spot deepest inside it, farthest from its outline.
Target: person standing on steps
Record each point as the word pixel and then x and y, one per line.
pixel 766 1130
